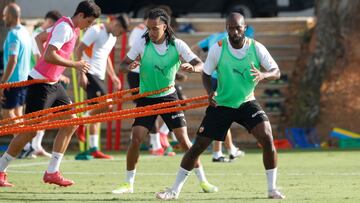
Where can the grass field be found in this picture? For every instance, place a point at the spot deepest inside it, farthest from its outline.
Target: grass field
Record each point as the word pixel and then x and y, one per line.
pixel 304 176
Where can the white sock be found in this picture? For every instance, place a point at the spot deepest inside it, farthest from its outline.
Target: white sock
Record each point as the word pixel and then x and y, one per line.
pixel 271 178
pixel 130 176
pixel 181 177
pixel 5 161
pixel 200 174
pixel 55 161
pixel 94 141
pixel 155 141
pixel 232 150
pixel 36 141
pixel 218 154
pixel 164 129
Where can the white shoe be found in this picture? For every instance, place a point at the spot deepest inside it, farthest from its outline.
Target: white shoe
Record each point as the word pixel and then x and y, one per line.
pixel 168 194
pixel 238 153
pixel 275 194
pixel 124 189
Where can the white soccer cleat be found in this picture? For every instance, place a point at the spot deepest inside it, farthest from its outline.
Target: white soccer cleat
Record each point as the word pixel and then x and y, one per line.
pixel 124 189
pixel 168 194
pixel 238 153
pixel 275 194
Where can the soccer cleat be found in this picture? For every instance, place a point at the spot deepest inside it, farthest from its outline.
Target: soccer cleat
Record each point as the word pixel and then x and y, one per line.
pixel 57 179
pixel 83 156
pixel 168 194
pixel 169 151
pixel 208 188
pixel 238 153
pixel 158 152
pixel 220 159
pixel 124 189
pixel 99 155
pixel 3 180
pixel 275 194
pixel 26 153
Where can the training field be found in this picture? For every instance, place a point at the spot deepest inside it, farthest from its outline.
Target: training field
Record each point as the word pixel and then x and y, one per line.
pixel 304 176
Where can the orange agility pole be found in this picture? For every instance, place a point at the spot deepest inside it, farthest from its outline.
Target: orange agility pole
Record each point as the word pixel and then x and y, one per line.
pixel 105 117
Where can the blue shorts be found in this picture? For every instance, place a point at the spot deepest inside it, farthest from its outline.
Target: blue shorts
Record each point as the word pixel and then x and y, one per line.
pixel 14 97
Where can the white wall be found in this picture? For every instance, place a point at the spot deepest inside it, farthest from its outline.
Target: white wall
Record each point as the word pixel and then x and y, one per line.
pixel 38 8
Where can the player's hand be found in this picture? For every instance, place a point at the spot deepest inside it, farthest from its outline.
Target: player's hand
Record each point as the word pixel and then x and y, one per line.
pixel 258 75
pixel 84 81
pixel 212 99
pixel 187 67
pixel 134 64
pixel 117 84
pixel 82 66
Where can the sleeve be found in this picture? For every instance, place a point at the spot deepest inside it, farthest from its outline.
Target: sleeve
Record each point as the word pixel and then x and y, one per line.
pixel 14 45
pixel 34 47
pixel 266 60
pixel 212 59
pixel 91 35
pixel 137 49
pixel 184 50
pixel 135 35
pixel 61 34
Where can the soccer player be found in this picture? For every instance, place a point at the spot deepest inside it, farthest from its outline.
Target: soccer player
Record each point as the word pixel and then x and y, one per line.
pixel 203 47
pixel 95 47
pixel 237 60
pixel 59 47
pixel 17 54
pixel 160 54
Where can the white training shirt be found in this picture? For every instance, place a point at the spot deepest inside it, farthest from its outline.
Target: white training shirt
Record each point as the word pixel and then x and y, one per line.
pixel 182 48
pixel 99 45
pixel 212 60
pixel 135 36
pixel 34 47
pixel 62 33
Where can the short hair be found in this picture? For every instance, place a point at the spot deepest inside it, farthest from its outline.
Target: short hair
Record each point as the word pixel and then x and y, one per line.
pixel 124 20
pixel 88 8
pixel 54 15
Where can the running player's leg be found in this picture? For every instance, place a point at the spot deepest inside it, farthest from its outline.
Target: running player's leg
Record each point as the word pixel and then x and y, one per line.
pixel 257 123
pixel 234 152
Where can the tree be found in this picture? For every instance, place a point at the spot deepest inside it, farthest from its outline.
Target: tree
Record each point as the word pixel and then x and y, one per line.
pixel 336 34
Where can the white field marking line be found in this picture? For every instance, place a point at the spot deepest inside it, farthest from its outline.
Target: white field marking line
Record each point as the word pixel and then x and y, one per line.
pixel 72 161
pixel 172 174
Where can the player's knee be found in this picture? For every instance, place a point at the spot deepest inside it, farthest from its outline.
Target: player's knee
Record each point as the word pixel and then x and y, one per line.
pixel 136 142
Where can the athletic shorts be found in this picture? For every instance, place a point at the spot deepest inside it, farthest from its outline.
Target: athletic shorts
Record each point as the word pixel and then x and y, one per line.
pixel 14 97
pixel 96 86
pixel 42 96
pixel 173 120
pixel 218 119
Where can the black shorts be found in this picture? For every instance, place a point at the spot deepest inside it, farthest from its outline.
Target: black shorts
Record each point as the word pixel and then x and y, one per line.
pixel 96 86
pixel 14 97
pixel 42 96
pixel 173 120
pixel 218 120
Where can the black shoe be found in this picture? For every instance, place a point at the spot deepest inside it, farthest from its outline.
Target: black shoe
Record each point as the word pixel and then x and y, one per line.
pixel 26 153
pixel 220 159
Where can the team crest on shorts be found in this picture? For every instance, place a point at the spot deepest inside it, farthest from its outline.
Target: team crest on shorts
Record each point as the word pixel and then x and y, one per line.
pixel 201 129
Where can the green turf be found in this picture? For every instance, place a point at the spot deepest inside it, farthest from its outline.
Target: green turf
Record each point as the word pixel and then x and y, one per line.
pixel 304 176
